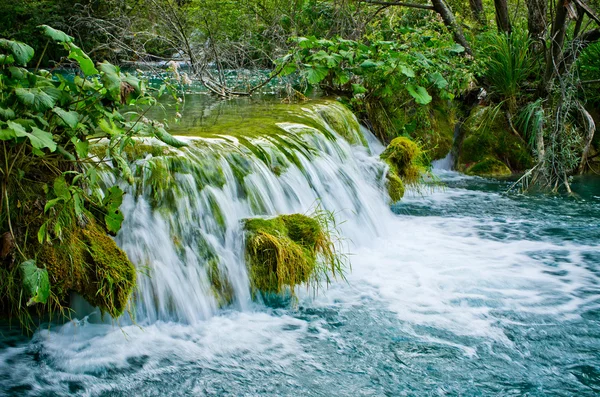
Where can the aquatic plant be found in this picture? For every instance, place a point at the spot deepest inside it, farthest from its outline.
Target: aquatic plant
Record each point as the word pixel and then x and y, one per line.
pixel 289 250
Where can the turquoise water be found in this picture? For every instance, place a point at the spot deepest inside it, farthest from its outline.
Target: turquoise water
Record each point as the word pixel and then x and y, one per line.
pixel 493 294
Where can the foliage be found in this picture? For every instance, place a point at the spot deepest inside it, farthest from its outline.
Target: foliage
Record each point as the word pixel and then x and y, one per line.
pixel 507 64
pixel 48 123
pixel 589 72
pixel 290 250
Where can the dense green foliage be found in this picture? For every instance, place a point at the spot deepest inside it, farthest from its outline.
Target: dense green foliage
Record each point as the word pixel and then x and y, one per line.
pixel 50 182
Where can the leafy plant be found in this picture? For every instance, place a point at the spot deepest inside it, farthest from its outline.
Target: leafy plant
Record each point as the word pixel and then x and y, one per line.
pixel 49 123
pixel 507 64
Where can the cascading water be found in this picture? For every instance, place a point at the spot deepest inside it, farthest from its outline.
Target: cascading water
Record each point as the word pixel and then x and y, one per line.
pixel 463 290
pixel 183 218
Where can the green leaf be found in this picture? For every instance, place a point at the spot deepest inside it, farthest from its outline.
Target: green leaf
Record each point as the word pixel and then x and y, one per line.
pixel 6 59
pixel 7 114
pixel 55 34
pixel 457 49
pixel 82 149
pixel 288 69
pixel 112 201
pixel 71 118
pixel 41 139
pixel 167 138
pixel 61 188
pixel 316 74
pixel 420 94
pixel 358 89
pixel 36 98
pixel 368 64
pixel 22 53
pixel 408 72
pixel 438 80
pixel 7 134
pixel 35 282
pixel 85 63
pixel 43 232
pixel 49 205
pixel 111 78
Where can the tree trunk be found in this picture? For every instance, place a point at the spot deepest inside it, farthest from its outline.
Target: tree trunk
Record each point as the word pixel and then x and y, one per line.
pixel 536 19
pixel 448 17
pixel 557 40
pixel 502 17
pixel 478 11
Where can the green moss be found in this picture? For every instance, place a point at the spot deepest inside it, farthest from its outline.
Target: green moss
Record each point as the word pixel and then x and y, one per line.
pixel 489 167
pixel 487 135
pixel 395 187
pixel 289 250
pixel 220 285
pixel 111 276
pixel 90 263
pixel 404 158
pixel 343 122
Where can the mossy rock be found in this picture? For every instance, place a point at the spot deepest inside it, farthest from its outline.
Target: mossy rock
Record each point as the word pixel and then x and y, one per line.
pixel 287 251
pixel 486 135
pixel 395 186
pixel 90 263
pixel 404 158
pixel 489 167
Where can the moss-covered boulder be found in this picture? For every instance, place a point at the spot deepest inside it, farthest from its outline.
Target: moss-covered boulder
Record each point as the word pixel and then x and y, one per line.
pixel 289 250
pixel 489 167
pixel 404 157
pixel 90 263
pixel 486 134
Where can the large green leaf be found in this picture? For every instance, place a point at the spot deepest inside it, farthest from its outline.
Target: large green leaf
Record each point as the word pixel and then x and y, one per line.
pixel 41 139
pixel 22 53
pixel 438 80
pixel 36 98
pixel 56 35
pixel 85 63
pixel 71 118
pixel 420 94
pixel 316 74
pixel 111 78
pixel 35 282
pixel 7 114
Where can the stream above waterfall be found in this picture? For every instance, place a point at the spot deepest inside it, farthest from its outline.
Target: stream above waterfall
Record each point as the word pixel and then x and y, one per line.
pixel 460 289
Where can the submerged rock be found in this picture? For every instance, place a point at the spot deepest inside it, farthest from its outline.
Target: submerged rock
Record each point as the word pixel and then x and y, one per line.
pixel 289 250
pixel 489 167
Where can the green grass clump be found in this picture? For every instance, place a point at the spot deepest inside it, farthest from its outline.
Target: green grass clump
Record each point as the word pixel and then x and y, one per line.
pixel 290 250
pixel 489 167
pixel 508 64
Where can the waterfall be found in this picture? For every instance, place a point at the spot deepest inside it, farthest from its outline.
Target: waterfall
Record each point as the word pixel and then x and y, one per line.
pixel 183 218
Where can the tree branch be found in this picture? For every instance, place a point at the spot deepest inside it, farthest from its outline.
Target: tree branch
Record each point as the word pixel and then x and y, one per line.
pixel 398 3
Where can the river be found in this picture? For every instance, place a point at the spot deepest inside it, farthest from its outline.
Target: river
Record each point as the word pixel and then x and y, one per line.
pixel 460 289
